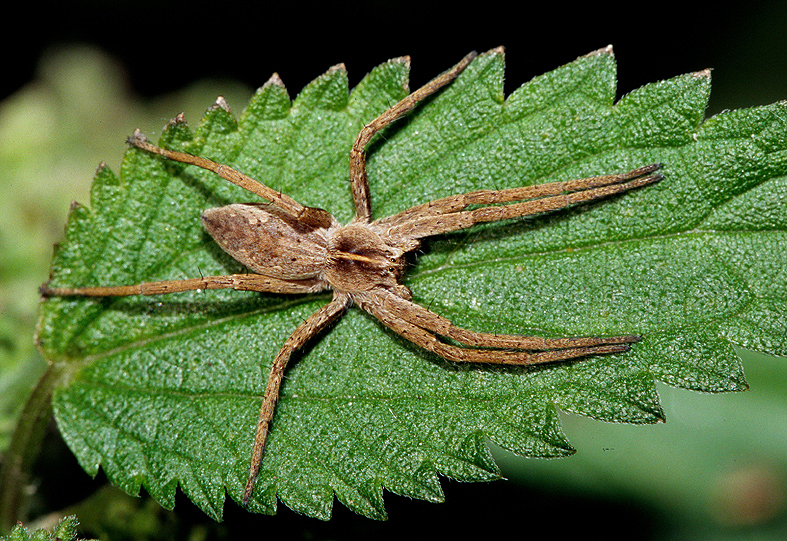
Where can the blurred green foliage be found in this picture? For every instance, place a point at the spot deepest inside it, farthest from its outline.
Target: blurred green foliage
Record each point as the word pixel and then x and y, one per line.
pixel 53 134
pixel 66 530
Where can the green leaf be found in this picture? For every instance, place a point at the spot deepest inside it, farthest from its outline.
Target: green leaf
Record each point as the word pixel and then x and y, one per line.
pixel 66 530
pixel 164 392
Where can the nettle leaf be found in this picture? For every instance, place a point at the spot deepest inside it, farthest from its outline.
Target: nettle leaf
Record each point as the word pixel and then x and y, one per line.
pixel 65 530
pixel 164 391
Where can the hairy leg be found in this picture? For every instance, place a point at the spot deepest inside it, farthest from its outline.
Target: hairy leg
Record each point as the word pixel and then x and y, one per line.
pixel 435 223
pixel 239 282
pixel 428 320
pixel 306 330
pixel 358 178
pixel 310 215
pixel 455 203
pixel 425 339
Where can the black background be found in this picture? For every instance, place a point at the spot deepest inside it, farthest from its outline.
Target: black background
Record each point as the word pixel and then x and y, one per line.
pixel 166 45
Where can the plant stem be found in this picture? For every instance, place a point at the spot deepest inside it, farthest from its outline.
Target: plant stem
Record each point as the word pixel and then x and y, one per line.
pixel 25 445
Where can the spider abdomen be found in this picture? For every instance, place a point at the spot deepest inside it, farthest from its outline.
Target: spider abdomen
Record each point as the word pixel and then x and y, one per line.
pixel 267 240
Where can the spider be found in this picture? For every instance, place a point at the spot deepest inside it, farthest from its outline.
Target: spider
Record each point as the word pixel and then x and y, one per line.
pixel 292 248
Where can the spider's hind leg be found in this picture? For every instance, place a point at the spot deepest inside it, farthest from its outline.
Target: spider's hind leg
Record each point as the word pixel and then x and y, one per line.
pixel 420 326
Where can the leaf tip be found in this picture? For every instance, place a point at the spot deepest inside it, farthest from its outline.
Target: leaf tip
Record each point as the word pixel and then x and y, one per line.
pixel 740 385
pixel 178 119
pixel 220 103
pixel 274 80
pixel 608 50
pixel 404 60
pixel 704 74
pixel 137 137
pixel 336 67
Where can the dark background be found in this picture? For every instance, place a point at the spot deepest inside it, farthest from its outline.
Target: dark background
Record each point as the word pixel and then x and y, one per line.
pixel 166 45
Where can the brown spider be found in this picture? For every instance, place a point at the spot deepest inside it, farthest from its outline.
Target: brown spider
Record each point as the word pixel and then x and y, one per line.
pixel 296 249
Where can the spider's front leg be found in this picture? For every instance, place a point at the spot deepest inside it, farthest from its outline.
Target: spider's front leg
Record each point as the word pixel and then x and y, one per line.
pixel 308 215
pixel 448 214
pixel 358 178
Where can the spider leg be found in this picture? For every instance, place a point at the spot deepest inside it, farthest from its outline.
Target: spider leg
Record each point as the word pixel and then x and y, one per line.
pixel 358 178
pixel 426 319
pixel 239 282
pixel 454 203
pixel 311 215
pixel 420 336
pixel 306 330
pixel 446 215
